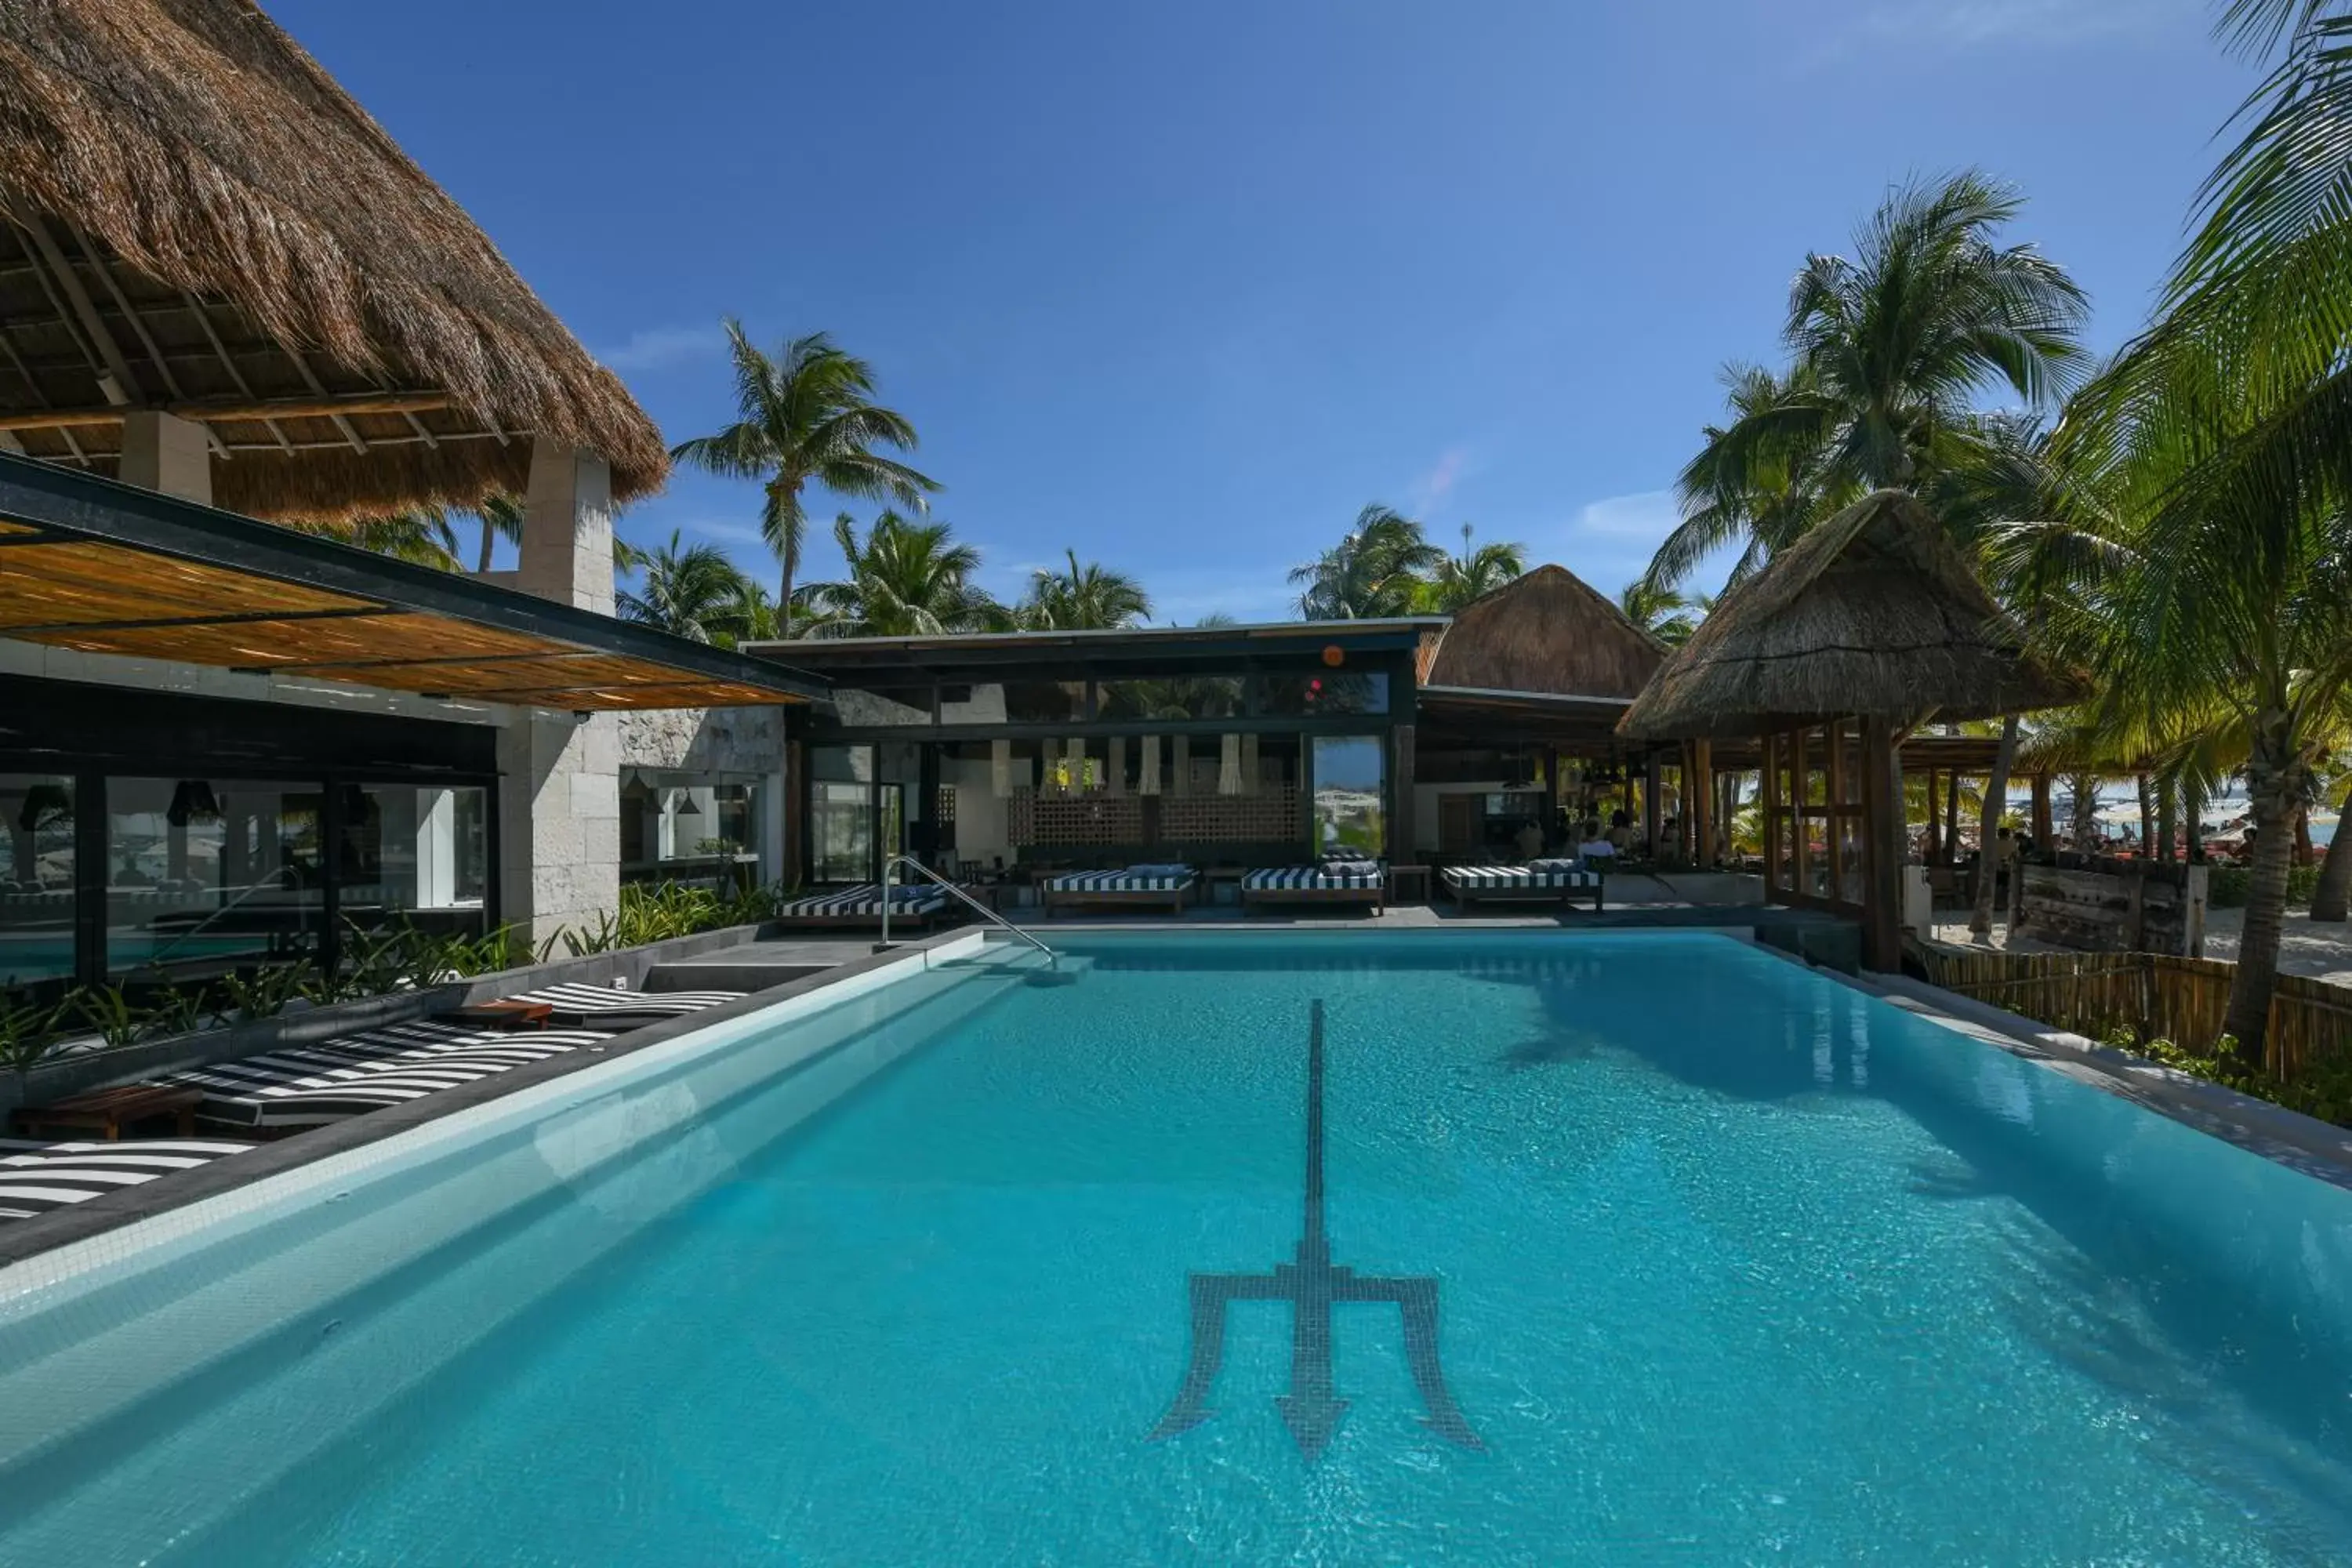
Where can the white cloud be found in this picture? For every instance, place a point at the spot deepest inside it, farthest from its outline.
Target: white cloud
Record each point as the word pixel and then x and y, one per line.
pixel 1247 594
pixel 1647 516
pixel 1431 489
pixel 655 348
pixel 733 533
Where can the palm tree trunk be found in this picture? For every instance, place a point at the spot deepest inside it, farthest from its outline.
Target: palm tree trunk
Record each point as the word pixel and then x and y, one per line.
pixel 2086 829
pixel 1995 800
pixel 2147 819
pixel 489 538
pixel 2193 831
pixel 2271 788
pixel 2330 898
pixel 2302 852
pixel 2168 816
pixel 1952 817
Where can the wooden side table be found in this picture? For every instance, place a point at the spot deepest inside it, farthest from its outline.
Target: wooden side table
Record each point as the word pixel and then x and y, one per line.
pixel 1416 875
pixel 106 1110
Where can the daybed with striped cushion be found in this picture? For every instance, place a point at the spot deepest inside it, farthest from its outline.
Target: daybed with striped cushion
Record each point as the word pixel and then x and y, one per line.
pixel 917 904
pixel 1328 884
pixel 1542 882
pixel 38 1177
pixel 306 1085
pixel 1138 887
pixel 605 1003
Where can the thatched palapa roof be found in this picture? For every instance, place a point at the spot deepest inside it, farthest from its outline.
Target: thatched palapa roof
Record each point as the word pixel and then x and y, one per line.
pixel 194 216
pixel 1875 614
pixel 1547 633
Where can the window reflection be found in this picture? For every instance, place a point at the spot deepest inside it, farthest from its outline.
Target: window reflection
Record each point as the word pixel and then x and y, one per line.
pixel 1350 796
pixel 36 897
pixel 207 874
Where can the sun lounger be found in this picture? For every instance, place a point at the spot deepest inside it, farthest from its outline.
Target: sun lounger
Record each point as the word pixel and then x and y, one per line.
pixel 307 1086
pixel 603 1004
pixel 38 1177
pixel 1557 882
pixel 1138 887
pixel 1296 885
pixel 861 907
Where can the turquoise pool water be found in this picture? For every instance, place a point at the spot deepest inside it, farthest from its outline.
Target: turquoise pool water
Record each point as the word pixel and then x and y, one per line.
pixel 1731 1265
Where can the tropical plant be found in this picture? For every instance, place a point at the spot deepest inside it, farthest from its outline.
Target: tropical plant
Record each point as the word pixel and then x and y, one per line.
pixel 1474 573
pixel 111 1015
pixel 1377 570
pixel 262 993
pixel 804 414
pixel 423 536
pixel 1084 598
pixel 1664 613
pixel 500 516
pixel 689 591
pixel 27 1034
pixel 906 579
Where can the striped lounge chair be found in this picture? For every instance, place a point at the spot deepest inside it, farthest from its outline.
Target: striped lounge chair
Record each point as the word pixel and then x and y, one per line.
pixel 309 1085
pixel 606 1004
pixel 1538 882
pixel 38 1177
pixel 861 907
pixel 1138 887
pixel 1294 886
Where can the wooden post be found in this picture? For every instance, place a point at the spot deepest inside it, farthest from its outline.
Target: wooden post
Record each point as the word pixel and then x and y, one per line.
pixel 1935 856
pixel 2041 833
pixel 1768 785
pixel 1652 773
pixel 1702 793
pixel 1882 881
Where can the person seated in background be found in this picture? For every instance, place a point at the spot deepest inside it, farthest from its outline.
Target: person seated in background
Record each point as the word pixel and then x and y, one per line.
pixel 1596 849
pixel 1621 831
pixel 1529 840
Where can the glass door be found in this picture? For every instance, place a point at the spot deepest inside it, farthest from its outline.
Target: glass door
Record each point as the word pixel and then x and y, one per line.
pixel 841 832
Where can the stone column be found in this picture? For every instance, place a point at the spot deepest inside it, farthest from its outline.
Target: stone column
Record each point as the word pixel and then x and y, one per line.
pixel 559 787
pixel 163 452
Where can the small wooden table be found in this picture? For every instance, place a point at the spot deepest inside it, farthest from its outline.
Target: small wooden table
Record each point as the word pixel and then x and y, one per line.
pixel 106 1111
pixel 504 1015
pixel 1400 875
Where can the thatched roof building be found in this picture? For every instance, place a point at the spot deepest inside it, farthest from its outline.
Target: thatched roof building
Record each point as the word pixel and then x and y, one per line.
pixel 1873 615
pixel 1546 632
pixel 195 217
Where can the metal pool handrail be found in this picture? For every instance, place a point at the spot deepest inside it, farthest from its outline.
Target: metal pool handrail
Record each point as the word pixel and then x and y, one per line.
pixel 891 863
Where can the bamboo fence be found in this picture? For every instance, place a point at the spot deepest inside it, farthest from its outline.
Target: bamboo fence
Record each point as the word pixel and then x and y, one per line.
pixel 2149 996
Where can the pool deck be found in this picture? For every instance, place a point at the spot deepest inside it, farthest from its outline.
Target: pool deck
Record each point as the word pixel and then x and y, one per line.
pixel 800 966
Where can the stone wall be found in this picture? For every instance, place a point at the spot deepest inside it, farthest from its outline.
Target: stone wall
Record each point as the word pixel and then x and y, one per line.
pixel 705 739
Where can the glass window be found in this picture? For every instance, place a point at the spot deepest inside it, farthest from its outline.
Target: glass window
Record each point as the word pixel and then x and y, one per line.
pixel 206 873
pixel 1351 795
pixel 1317 696
pixel 36 884
pixel 842 764
pixel 1044 701
pixel 841 832
pixel 420 854
pixel 1192 697
pixel 896 708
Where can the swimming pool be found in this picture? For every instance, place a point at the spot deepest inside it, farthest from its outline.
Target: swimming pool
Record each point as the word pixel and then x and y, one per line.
pixel 1648 1248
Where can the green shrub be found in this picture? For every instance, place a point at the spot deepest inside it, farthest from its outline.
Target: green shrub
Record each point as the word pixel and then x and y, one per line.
pixel 2324 1088
pixel 2226 886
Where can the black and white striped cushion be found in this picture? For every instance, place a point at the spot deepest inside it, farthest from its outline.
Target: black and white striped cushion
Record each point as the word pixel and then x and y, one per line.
pixel 1118 882
pixel 866 900
pixel 583 998
pixel 38 1177
pixel 1508 879
pixel 306 1085
pixel 1310 879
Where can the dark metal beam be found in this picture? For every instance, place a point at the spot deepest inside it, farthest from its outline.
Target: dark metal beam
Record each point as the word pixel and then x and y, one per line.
pixel 167 623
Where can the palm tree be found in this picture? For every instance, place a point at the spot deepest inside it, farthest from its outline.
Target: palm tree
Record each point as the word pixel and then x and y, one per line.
pixel 1375 571
pixel 1890 348
pixel 502 517
pixel 1083 599
pixel 1472 575
pixel 804 414
pixel 687 591
pixel 1664 613
pixel 422 536
pixel 906 579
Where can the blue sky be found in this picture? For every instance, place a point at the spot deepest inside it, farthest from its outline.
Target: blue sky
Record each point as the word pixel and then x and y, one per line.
pixel 1185 286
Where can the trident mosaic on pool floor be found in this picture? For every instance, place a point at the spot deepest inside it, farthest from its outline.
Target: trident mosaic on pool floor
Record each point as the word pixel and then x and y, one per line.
pixel 1313 1284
